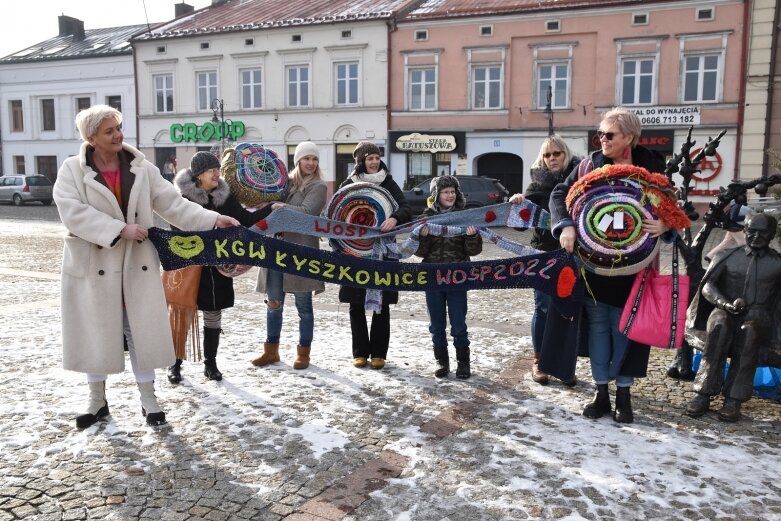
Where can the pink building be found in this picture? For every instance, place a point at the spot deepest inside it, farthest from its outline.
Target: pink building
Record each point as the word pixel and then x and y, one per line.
pixel 472 78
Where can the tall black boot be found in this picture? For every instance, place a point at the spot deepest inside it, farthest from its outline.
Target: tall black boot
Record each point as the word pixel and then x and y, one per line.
pixel 623 412
pixel 211 341
pixel 443 362
pixel 175 372
pixel 463 370
pixel 600 405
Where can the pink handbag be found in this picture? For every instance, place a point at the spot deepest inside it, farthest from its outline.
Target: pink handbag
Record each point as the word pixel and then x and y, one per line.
pixel 655 302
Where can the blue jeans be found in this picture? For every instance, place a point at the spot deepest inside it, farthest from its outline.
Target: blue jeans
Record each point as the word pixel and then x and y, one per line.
pixel 606 345
pixel 306 316
pixel 440 304
pixel 541 305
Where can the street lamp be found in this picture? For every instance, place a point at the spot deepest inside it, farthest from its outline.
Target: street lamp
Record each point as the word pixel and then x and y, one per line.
pixel 549 111
pixel 218 104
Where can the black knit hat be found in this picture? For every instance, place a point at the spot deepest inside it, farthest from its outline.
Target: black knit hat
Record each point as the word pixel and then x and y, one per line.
pixel 201 162
pixel 363 149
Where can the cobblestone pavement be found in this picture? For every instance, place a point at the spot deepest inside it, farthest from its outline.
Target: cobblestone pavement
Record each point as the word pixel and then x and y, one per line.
pixel 335 442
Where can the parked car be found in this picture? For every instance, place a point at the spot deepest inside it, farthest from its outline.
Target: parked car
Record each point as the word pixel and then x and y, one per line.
pixel 478 191
pixel 21 189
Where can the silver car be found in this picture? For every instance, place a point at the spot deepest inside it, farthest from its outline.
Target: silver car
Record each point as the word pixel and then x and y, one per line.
pixel 21 189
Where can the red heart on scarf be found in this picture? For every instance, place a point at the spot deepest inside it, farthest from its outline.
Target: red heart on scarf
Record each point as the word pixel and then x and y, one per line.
pixel 490 216
pixel 262 224
pixel 525 214
pixel 565 282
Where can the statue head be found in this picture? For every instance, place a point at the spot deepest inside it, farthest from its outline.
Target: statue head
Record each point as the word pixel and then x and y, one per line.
pixel 760 229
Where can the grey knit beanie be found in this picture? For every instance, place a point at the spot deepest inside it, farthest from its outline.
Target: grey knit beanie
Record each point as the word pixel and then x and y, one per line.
pixel 201 162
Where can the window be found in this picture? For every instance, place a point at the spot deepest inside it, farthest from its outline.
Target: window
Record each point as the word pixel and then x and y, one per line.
pixel 161 49
pixel 81 104
pixel 17 116
pixel 637 81
pixel 347 34
pixel 487 87
pixel 640 19
pixel 115 102
pixel 249 42
pixel 421 36
pixel 347 83
pixel 207 88
pixel 298 86
pixel 701 78
pixel 556 77
pixel 422 93
pixel 47 114
pixel 419 167
pixel 46 165
pixel 705 14
pixel 486 30
pixel 205 46
pixel 296 38
pixel 164 93
pixel 552 26
pixel 251 88
pixel 19 165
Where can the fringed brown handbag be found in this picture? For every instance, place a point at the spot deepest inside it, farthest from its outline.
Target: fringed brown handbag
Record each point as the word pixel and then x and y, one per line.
pixel 181 293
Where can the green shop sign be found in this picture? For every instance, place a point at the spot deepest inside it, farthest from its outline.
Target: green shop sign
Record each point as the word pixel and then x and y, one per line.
pixel 209 131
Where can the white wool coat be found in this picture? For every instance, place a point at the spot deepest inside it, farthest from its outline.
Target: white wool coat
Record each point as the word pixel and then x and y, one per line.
pixel 101 274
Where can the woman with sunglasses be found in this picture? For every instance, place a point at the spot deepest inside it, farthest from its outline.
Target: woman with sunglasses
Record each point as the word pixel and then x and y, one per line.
pixel 552 166
pixel 608 350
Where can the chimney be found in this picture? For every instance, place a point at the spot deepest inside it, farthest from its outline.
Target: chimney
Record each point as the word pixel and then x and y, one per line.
pixel 182 9
pixel 71 27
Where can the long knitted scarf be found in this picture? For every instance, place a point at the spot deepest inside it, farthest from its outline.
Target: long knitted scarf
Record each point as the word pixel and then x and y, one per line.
pixel 555 273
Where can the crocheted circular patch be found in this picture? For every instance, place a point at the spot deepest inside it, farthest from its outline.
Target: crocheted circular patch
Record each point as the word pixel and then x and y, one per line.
pixel 366 204
pixel 255 174
pixel 608 213
pixel 233 270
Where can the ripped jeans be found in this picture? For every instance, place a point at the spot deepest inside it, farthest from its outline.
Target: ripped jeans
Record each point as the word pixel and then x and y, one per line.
pixel 306 316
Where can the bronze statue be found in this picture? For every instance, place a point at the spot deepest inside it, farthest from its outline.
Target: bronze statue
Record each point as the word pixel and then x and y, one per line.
pixel 736 303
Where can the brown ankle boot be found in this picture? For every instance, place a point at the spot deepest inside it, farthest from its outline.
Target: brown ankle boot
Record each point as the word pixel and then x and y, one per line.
pixel 537 375
pixel 269 356
pixel 302 358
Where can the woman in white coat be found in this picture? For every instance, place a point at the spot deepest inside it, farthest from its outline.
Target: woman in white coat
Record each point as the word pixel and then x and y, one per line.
pixel 111 288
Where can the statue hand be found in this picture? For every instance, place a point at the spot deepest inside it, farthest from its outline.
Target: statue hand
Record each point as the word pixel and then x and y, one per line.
pixel 737 307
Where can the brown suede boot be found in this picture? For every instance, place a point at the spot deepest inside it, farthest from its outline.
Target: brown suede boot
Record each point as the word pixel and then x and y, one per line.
pixel 302 358
pixel 537 375
pixel 269 356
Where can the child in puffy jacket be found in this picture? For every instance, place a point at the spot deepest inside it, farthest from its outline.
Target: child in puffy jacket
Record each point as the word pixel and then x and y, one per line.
pixel 445 197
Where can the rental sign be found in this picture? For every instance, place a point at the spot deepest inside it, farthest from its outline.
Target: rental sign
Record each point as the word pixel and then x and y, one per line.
pixel 209 131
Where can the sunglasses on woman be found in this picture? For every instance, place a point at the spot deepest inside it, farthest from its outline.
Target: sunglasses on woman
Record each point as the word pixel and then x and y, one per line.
pixel 557 153
pixel 607 135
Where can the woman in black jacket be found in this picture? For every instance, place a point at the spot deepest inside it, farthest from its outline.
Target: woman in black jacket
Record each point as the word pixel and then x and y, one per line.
pixel 370 168
pixel 552 166
pixel 201 183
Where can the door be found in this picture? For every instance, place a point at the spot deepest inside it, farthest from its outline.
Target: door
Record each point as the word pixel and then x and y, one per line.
pixel 507 168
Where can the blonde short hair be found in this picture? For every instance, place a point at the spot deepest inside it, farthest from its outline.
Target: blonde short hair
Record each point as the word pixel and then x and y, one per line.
pixel 626 121
pixel 88 120
pixel 557 142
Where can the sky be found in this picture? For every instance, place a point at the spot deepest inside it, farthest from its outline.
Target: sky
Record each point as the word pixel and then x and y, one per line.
pixel 19 30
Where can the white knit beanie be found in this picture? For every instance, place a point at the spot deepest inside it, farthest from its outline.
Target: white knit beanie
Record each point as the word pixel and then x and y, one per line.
pixel 305 148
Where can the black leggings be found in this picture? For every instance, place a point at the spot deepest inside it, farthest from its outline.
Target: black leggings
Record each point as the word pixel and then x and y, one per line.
pixel 364 345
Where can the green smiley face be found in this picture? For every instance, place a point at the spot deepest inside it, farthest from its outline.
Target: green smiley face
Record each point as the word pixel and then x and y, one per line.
pixel 186 247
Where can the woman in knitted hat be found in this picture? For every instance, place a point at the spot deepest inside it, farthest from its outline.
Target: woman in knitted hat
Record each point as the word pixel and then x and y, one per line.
pixel 202 184
pixel 373 345
pixel 446 197
pixel 552 166
pixel 107 197
pixel 306 193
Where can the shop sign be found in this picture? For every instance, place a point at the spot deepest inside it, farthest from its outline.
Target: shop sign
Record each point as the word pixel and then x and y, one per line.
pixel 669 115
pixel 209 131
pixel 424 143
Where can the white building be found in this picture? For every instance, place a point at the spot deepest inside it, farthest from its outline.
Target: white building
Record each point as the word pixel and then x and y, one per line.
pixel 277 76
pixel 43 87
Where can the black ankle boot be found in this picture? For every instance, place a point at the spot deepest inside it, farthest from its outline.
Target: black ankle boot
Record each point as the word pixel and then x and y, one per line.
pixel 211 341
pixel 463 370
pixel 175 372
pixel 443 362
pixel 600 405
pixel 623 412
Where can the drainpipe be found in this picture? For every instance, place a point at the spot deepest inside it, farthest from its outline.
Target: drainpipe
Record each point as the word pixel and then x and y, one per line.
pixel 742 94
pixel 135 81
pixel 391 27
pixel 771 79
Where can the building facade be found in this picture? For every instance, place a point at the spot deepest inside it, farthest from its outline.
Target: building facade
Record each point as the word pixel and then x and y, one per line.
pixel 459 70
pixel 43 87
pixel 285 74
